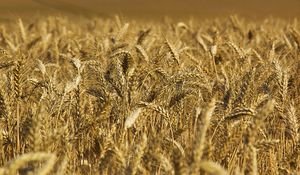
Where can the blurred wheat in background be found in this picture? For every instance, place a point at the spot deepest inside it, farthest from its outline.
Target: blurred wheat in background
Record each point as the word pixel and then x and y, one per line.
pixel 114 95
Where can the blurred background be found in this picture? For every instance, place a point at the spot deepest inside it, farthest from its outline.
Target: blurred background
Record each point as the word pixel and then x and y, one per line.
pixel 151 9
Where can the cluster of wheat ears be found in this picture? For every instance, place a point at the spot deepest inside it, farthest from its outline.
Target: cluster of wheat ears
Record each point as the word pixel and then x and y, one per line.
pixel 114 96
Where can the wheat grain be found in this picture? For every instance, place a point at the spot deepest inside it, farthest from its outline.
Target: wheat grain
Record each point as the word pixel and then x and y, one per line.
pixel 132 118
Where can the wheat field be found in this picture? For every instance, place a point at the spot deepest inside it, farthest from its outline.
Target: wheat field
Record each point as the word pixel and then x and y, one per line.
pixel 123 96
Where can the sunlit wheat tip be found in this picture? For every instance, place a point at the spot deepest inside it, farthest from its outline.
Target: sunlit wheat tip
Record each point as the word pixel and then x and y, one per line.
pixel 130 120
pixel 41 67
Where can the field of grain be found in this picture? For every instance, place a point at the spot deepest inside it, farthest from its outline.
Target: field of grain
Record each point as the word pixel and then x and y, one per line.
pixel 119 96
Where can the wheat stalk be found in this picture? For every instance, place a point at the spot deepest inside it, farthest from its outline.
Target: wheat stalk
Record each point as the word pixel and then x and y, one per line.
pixel 200 142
